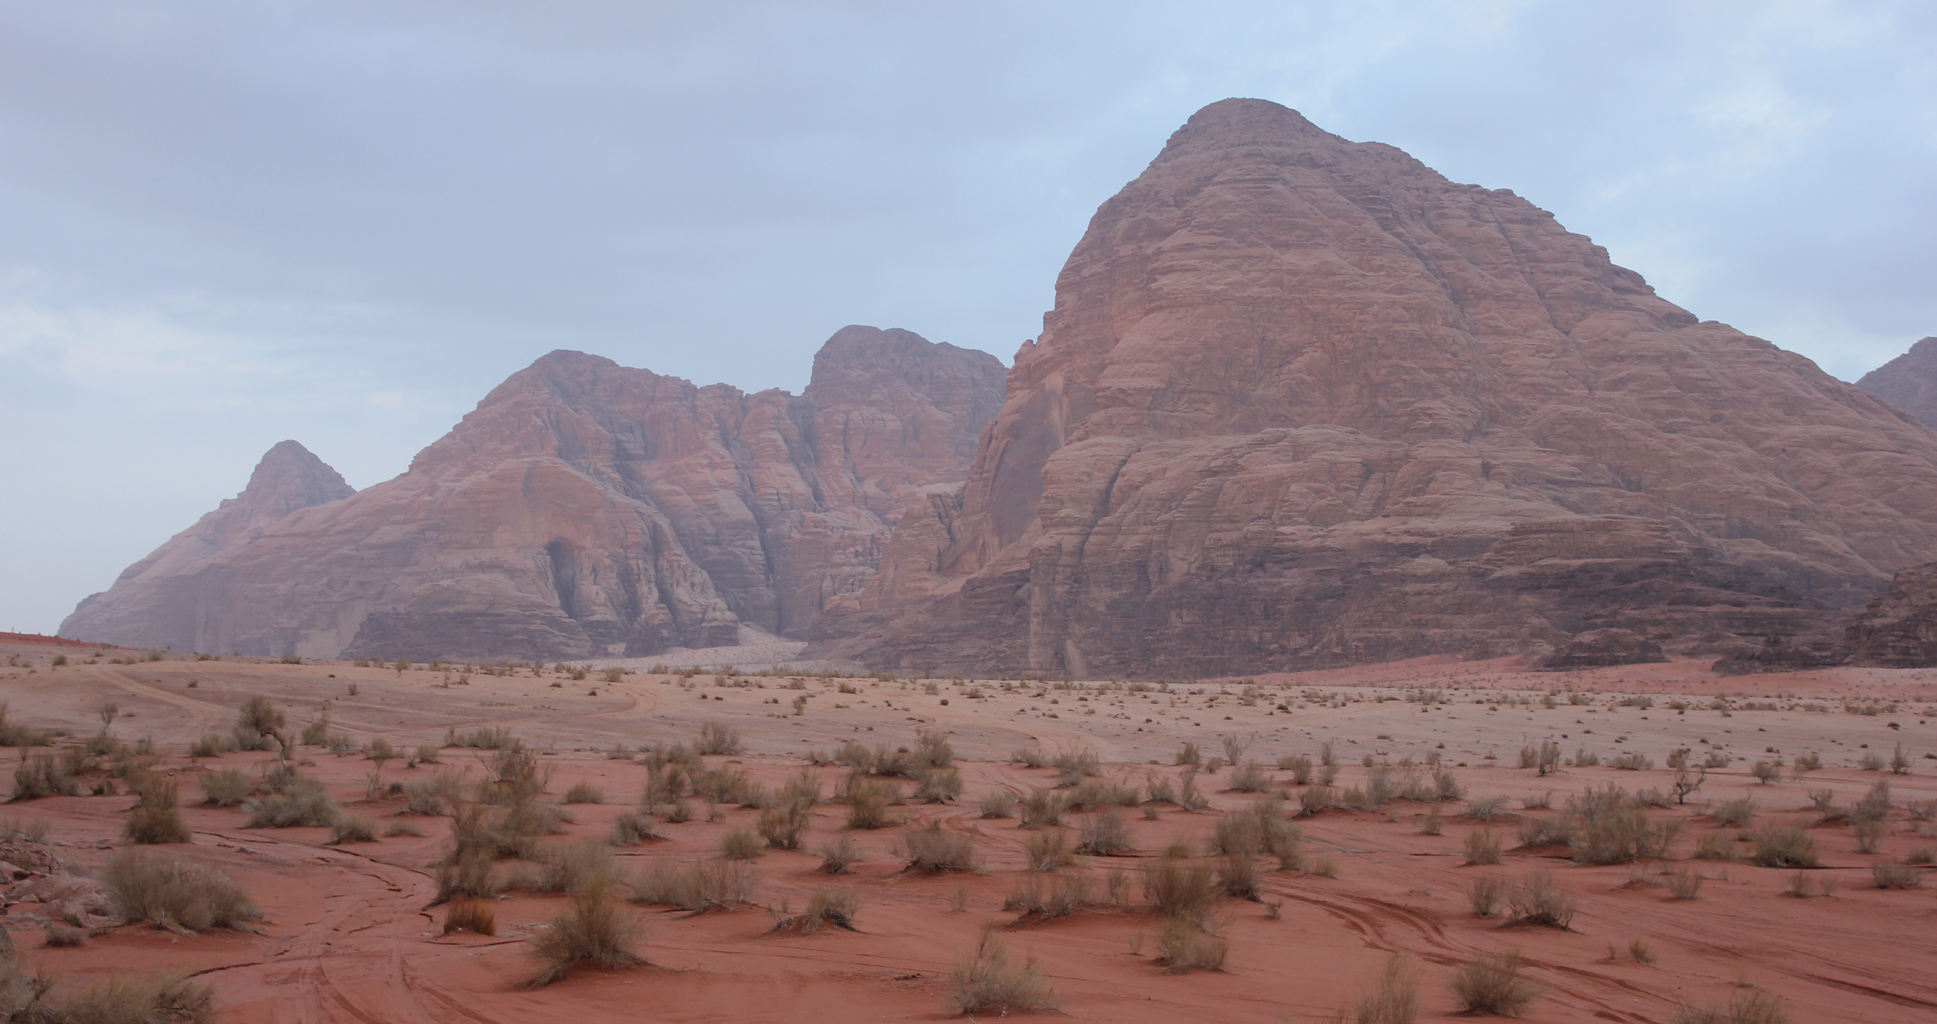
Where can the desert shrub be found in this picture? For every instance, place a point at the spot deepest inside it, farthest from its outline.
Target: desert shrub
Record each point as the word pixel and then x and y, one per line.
pixel 1300 767
pixel 1043 808
pixel 1260 829
pixel 594 930
pixel 1249 777
pixel 933 751
pixel 293 800
pixel 867 803
pixel 258 720
pixel 726 786
pixel 1446 786
pixel 584 793
pixel 931 848
pixel 1484 894
pixel 571 866
pixel 1188 754
pixel 1076 763
pixel 1537 900
pixel 998 803
pixel 1684 885
pixel 157 813
pixel 1033 900
pixel 1482 847
pixel 1177 886
pixel 1028 757
pixel 227 787
pixel 173 893
pixel 490 737
pixel 1237 877
pixel 210 745
pixel 1757 1007
pixel 1105 833
pixel 1492 984
pixel 13 734
pixel 835 907
pixel 1486 808
pixel 1392 998
pixel 1185 946
pixel 1895 876
pixel 65 936
pixel 120 1000
pixel 1633 761
pixel 783 824
pixel 838 856
pixel 436 796
pixel 1317 798
pixel 985 981
pixel 633 828
pixel 1187 795
pixel 1714 846
pixel 693 887
pixel 353 828
pixel 470 915
pixel 1047 850
pixel 937 785
pixel 717 738
pixel 42 775
pixel 1783 846
pixel 1737 813
pixel 740 843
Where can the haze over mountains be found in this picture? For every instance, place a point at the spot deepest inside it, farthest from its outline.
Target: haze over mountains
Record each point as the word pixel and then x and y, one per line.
pixel 1301 401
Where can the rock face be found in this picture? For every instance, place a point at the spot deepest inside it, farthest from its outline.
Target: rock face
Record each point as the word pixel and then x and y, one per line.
pixel 151 599
pixel 1898 629
pixel 588 509
pixel 1303 401
pixel 1908 382
pixel 1599 648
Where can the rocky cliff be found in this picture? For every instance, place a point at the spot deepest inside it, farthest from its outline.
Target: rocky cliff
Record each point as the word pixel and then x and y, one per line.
pixel 1899 628
pixel 1304 401
pixel 588 509
pixel 1908 382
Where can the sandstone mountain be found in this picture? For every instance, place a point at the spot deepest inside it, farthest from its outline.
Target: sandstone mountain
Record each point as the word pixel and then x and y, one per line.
pixel 1304 401
pixel 1908 382
pixel 588 509
pixel 1899 628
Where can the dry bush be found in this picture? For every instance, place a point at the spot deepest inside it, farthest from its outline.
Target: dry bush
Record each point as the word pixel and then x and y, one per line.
pixel 835 907
pixel 584 793
pixel 1685 885
pixel 1177 886
pixel 1613 828
pixel 1392 998
pixel 1537 900
pixel 595 930
pixel 633 828
pixel 435 796
pixel 867 802
pixel 226 787
pixel 1486 808
pixel 740 843
pixel 1783 846
pixel 176 894
pixel 693 887
pixel 1323 867
pixel 1032 900
pixel 46 775
pixel 932 751
pixel 1737 813
pixel 1028 757
pixel 1188 754
pixel 1105 833
pixel 210 745
pixel 1492 984
pixel 1249 777
pixel 717 738
pixel 937 785
pixel 1047 850
pixel 572 866
pixel 158 999
pixel 1896 876
pixel 840 855
pixel 783 824
pixel 1714 846
pixel 293 800
pixel 1300 767
pixel 1185 946
pixel 471 915
pixel 1237 876
pixel 353 828
pixel 1043 808
pixel 65 936
pixel 1317 798
pixel 931 848
pixel 1073 764
pixel 1484 894
pixel 157 814
pixel 986 981
pixel 1482 847
pixel 998 803
pixel 1757 1007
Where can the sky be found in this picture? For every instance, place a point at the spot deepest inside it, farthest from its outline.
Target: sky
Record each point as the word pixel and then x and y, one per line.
pixel 223 224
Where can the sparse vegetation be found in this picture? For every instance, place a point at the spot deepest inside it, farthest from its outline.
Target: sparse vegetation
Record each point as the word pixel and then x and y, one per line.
pixel 157 813
pixel 173 893
pixel 931 848
pixel 1392 998
pixel 1484 894
pixel 1756 1007
pixel 1492 984
pixel 1783 846
pixel 985 981
pixel 594 930
pixel 1536 899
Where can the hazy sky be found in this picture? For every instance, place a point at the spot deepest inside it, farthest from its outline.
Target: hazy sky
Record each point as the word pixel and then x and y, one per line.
pixel 224 224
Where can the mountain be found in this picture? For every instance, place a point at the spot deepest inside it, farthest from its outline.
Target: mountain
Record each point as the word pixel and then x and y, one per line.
pixel 151 602
pixel 1908 382
pixel 587 509
pixel 1304 401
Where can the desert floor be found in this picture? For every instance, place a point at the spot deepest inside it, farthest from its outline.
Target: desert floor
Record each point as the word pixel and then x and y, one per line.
pixel 350 931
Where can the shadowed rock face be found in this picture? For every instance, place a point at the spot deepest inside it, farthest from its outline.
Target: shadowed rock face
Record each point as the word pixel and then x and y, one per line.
pixel 1899 628
pixel 1908 382
pixel 1303 401
pixel 585 509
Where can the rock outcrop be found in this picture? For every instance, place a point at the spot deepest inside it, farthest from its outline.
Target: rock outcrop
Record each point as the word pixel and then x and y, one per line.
pixel 1303 401
pixel 587 509
pixel 1899 628
pixel 1599 648
pixel 1908 382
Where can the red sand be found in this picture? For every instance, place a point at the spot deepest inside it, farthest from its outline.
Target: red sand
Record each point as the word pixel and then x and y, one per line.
pixel 350 934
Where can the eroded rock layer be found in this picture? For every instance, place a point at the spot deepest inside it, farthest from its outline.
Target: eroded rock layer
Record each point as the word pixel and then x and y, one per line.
pixel 586 509
pixel 1305 401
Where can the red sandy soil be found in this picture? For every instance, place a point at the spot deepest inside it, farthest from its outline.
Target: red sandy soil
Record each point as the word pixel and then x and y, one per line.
pixel 350 933
pixel 43 640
